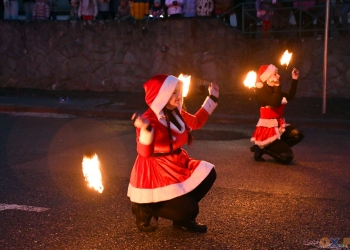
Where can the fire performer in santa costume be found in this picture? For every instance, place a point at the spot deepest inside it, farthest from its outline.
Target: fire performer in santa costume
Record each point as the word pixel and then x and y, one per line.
pixel 165 182
pixel 272 135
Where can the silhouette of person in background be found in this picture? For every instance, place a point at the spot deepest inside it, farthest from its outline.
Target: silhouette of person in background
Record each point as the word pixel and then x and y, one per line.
pixel 304 16
pixel 53 4
pixel 28 6
pixel 246 17
pixel 205 8
pixel 264 9
pixel 123 12
pixel 11 8
pixel 88 9
pixel 344 17
pixel 157 10
pixel 223 7
pixel 73 15
pixel 281 17
pixel 174 8
pixel 41 10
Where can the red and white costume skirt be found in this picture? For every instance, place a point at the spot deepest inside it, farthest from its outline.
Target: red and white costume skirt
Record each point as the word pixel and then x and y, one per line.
pixel 270 127
pixel 155 179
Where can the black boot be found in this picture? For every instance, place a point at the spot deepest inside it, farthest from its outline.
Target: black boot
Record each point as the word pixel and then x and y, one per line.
pixel 294 137
pixel 191 226
pixel 284 158
pixel 143 217
pixel 258 152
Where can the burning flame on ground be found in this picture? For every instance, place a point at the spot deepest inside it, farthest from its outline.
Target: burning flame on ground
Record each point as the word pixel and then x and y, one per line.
pixel 92 172
pixel 286 58
pixel 186 79
pixel 250 79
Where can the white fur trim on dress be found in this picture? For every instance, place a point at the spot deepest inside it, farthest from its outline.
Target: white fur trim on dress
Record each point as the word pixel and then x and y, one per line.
pixel 209 105
pixel 266 142
pixel 268 123
pixel 162 120
pixel 146 137
pixel 271 69
pixel 164 94
pixel 141 195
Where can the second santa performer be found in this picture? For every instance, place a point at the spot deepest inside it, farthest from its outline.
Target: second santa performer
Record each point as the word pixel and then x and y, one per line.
pixel 273 136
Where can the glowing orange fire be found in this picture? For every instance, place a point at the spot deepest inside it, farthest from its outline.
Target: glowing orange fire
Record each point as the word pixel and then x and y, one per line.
pixel 250 79
pixel 186 79
pixel 92 173
pixel 286 58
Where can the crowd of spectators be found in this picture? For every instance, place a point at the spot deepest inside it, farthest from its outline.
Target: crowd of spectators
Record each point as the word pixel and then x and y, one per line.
pixel 111 9
pixel 272 15
pixel 309 16
pixel 34 9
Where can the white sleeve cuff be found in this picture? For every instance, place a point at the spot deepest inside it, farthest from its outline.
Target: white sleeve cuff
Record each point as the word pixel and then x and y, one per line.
pixel 146 137
pixel 209 105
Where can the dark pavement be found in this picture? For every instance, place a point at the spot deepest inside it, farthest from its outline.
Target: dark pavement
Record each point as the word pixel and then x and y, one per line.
pixel 233 108
pixel 252 205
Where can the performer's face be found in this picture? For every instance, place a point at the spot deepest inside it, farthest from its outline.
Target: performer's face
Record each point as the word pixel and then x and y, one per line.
pixel 274 79
pixel 176 97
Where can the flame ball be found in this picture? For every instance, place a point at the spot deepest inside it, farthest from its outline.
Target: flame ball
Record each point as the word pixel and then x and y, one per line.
pixel 250 79
pixel 92 172
pixel 286 58
pixel 186 79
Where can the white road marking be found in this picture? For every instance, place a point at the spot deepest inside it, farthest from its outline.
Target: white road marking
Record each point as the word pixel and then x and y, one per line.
pixel 22 207
pixel 53 115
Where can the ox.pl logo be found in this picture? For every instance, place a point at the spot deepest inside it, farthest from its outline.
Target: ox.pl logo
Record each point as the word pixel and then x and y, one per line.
pixel 334 242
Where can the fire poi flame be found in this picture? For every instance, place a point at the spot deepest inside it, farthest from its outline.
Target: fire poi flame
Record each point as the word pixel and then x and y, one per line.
pixel 250 79
pixel 186 79
pixel 92 172
pixel 286 58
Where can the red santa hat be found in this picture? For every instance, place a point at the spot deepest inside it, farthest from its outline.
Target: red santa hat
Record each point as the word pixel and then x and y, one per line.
pixel 159 90
pixel 265 71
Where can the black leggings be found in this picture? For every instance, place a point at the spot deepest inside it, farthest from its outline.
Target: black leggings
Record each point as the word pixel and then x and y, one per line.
pixel 281 150
pixel 185 207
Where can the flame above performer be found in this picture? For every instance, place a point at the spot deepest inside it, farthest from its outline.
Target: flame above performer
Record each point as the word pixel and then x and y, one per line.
pixel 286 58
pixel 186 79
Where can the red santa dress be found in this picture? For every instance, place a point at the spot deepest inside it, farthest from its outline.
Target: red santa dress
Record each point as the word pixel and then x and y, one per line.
pixel 158 174
pixel 271 125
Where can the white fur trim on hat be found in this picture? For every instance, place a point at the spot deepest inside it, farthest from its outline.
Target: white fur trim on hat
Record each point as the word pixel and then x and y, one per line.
pixel 259 85
pixel 271 69
pixel 164 94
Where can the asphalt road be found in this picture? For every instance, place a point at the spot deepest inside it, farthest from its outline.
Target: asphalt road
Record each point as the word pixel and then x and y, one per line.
pixel 252 205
